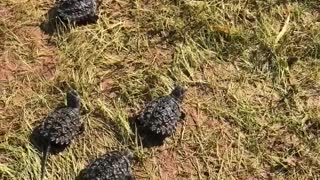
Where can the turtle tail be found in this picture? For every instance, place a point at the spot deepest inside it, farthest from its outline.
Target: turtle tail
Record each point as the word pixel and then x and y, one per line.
pixel 44 160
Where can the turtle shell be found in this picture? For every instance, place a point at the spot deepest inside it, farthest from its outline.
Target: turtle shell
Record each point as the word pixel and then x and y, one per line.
pixel 161 116
pixel 76 10
pixel 61 126
pixel 111 166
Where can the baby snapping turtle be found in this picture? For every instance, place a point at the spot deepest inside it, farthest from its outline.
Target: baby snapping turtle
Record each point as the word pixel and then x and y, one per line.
pixel 61 126
pixel 78 11
pixel 114 165
pixel 160 117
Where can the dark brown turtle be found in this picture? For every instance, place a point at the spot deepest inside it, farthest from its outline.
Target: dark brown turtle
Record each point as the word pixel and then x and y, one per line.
pixel 77 11
pixel 160 117
pixel 115 165
pixel 61 126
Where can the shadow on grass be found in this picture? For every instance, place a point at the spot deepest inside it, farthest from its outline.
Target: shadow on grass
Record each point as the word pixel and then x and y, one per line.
pixel 310 4
pixel 140 137
pixel 113 127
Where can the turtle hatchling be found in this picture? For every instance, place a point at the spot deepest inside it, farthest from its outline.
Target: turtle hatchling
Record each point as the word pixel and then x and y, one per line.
pixel 160 117
pixel 115 165
pixel 61 126
pixel 77 11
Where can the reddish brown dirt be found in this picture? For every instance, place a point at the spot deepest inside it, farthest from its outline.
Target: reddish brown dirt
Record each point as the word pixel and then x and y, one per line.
pixel 8 126
pixel 25 58
pixel 33 43
pixel 106 84
pixel 314 102
pixel 158 55
pixel 117 10
pixel 4 13
pixel 168 165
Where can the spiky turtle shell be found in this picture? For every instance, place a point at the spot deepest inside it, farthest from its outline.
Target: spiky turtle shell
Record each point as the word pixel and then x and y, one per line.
pixel 161 116
pixel 61 126
pixel 114 165
pixel 76 10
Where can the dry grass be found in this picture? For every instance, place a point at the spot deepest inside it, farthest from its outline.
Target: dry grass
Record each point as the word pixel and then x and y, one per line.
pixel 252 69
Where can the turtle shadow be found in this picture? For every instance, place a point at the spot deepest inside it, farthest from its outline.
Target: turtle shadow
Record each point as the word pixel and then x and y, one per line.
pixel 145 137
pixel 117 131
pixel 139 137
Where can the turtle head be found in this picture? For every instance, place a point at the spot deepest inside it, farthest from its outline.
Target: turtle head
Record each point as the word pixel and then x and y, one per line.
pixel 178 92
pixel 73 99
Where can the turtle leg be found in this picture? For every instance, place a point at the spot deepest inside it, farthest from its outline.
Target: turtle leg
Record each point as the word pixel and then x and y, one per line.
pixel 89 19
pixel 82 128
pixel 183 116
pixel 93 18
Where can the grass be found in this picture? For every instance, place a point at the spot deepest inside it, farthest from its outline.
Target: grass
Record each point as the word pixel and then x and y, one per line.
pixel 252 69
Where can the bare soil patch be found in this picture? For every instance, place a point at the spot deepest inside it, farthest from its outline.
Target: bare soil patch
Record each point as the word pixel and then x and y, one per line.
pixel 33 43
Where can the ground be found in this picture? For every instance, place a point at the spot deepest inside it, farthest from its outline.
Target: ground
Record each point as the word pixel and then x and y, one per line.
pixel 252 69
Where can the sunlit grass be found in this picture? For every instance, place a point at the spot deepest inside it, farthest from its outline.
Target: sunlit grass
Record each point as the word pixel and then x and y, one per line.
pixel 253 78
